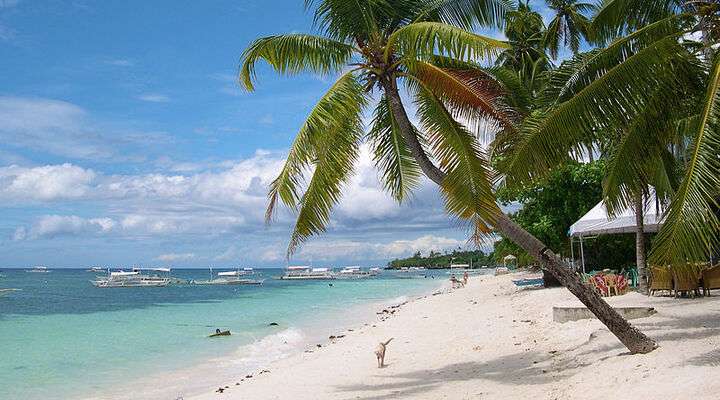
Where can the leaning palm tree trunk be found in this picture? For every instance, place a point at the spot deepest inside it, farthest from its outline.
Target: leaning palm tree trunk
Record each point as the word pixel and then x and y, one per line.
pixel 631 337
pixel 640 244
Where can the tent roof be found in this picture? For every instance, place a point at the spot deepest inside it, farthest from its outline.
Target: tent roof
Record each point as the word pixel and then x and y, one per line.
pixel 597 222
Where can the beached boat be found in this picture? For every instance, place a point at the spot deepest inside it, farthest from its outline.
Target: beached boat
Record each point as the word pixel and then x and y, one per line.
pixel 301 272
pixel 39 269
pixel 354 273
pixel 221 333
pixel 5 292
pixel 133 278
pixel 237 277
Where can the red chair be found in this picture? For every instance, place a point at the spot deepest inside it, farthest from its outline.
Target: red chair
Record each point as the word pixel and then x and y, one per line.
pixel 600 285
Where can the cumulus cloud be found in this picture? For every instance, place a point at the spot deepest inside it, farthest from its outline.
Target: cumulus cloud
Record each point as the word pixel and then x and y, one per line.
pixel 50 226
pixel 46 183
pixel 170 257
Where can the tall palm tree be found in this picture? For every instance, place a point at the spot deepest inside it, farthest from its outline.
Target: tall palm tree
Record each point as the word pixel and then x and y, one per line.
pixel 569 25
pixel 655 86
pixel 425 45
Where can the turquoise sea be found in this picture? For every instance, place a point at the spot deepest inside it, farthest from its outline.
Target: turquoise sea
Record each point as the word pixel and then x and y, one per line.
pixel 62 338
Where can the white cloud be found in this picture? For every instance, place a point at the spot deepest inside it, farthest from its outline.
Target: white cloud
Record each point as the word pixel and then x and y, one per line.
pixel 50 226
pixel 46 183
pixel 154 98
pixel 170 257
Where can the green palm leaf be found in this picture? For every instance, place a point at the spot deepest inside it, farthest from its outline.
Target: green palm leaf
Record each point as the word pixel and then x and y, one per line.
pixel 690 231
pixel 338 109
pixel 400 172
pixel 465 14
pixel 291 54
pixel 615 17
pixel 423 40
pixel 609 102
pixel 467 188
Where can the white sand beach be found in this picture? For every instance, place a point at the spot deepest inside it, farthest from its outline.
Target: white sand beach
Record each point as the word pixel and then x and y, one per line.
pixel 490 340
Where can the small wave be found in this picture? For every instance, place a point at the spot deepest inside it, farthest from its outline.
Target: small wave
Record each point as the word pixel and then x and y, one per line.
pixel 270 348
pixel 398 300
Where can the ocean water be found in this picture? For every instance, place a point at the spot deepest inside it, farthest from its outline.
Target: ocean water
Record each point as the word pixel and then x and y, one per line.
pixel 60 337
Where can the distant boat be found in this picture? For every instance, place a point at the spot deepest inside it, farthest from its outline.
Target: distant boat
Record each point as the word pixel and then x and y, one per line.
pixel 237 277
pixel 133 278
pixel 95 269
pixel 5 292
pixel 302 272
pixel 412 269
pixel 39 269
pixel 355 273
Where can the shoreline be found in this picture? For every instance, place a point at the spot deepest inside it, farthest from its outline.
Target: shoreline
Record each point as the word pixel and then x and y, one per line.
pixel 492 340
pixel 253 357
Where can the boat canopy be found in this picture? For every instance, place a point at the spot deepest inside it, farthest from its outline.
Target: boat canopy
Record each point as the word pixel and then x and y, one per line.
pixel 229 273
pixel 297 267
pixel 320 270
pixel 124 273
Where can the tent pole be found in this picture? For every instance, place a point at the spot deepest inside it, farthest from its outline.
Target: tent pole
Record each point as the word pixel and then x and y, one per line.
pixel 582 254
pixel 572 253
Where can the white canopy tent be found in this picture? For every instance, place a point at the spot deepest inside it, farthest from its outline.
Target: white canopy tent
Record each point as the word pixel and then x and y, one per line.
pixel 597 222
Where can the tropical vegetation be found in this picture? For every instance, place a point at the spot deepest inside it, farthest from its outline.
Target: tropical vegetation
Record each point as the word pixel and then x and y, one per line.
pixel 645 92
pixel 435 259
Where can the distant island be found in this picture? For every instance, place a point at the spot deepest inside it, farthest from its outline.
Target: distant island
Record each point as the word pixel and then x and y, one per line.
pixel 437 260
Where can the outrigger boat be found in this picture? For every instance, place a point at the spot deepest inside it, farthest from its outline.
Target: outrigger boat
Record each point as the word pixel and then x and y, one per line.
pixel 5 292
pixel 355 273
pixel 303 272
pixel 236 277
pixel 133 278
pixel 95 269
pixel 39 269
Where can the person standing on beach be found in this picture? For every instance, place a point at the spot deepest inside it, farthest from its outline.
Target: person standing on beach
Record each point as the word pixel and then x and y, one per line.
pixel 465 278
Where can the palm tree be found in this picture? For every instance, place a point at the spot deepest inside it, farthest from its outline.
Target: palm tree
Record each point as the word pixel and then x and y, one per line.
pixel 425 45
pixel 655 87
pixel 569 25
pixel 525 31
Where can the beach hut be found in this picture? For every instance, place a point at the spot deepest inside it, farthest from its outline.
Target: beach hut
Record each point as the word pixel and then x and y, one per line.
pixel 598 222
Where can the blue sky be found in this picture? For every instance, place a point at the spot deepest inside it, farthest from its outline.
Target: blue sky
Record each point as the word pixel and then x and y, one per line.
pixel 124 139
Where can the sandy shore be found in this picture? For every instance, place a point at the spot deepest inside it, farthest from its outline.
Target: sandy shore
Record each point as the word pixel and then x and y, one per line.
pixel 490 340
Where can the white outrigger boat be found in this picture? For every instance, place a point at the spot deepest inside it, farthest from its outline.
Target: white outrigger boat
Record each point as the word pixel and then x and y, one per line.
pixel 95 269
pixel 236 277
pixel 5 292
pixel 133 278
pixel 302 272
pixel 39 269
pixel 355 273
pixel 459 269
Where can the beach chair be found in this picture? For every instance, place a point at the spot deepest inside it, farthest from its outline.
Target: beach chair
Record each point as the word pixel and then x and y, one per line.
pixel 711 279
pixel 660 280
pixel 600 286
pixel 622 284
pixel 611 283
pixel 685 280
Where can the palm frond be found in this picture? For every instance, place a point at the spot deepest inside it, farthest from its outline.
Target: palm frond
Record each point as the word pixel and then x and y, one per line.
pixel 350 20
pixel 576 73
pixel 471 93
pixel 291 54
pixel 466 14
pixel 400 172
pixel 467 188
pixel 610 101
pixel 692 229
pixel 336 110
pixel 616 17
pixel 423 40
